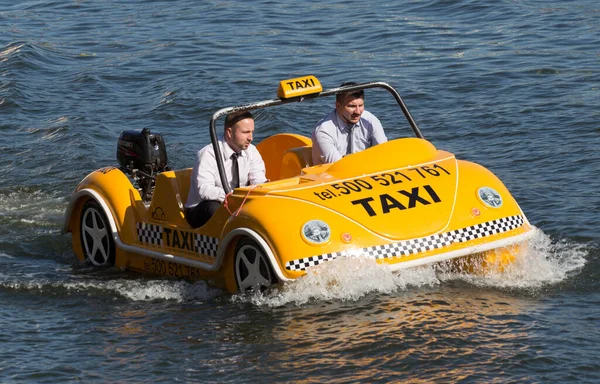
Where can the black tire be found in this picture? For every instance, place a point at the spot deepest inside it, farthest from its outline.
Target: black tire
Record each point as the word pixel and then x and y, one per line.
pixel 252 268
pixel 97 242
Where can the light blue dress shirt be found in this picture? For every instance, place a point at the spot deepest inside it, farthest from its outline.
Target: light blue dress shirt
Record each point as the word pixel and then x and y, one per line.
pixel 330 137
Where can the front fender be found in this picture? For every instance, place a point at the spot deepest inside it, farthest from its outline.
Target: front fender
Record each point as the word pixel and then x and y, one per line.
pixel 265 217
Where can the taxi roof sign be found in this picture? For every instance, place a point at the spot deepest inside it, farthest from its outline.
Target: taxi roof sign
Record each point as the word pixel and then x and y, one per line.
pixel 299 86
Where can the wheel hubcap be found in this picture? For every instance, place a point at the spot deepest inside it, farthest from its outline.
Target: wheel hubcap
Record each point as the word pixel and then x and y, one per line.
pixel 251 269
pixel 95 237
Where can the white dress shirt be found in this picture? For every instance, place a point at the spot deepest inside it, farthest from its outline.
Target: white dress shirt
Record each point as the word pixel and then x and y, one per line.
pixel 205 183
pixel 330 136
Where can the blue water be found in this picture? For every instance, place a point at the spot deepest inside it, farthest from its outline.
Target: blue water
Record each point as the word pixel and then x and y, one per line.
pixel 514 86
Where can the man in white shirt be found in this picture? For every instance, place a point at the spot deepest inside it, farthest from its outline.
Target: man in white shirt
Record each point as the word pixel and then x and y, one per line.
pixel 349 128
pixel 243 166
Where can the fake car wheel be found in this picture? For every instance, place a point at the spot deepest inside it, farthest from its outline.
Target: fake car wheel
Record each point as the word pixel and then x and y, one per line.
pixel 252 269
pixel 96 239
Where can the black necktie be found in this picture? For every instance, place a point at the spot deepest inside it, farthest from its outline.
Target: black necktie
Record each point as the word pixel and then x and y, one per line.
pixel 235 170
pixel 350 140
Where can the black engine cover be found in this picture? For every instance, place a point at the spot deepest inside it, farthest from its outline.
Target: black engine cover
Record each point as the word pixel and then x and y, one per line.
pixel 142 151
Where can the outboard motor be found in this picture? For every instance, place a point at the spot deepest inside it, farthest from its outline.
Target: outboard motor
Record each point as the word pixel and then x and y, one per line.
pixel 142 155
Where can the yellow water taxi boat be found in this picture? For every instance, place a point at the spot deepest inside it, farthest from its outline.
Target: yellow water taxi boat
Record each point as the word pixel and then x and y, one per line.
pixel 403 203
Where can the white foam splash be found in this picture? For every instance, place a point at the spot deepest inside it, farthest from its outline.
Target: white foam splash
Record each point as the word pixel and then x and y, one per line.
pixel 178 291
pixel 135 290
pixel 541 263
pixel 149 290
pixel 345 278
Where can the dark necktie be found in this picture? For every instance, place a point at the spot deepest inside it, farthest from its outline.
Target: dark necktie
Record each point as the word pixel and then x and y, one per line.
pixel 235 170
pixel 350 140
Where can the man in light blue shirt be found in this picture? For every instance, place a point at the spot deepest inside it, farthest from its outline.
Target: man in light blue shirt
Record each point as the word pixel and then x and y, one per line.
pixel 347 129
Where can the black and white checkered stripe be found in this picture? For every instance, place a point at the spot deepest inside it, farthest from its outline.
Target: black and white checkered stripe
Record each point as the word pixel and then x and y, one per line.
pixel 486 229
pixel 206 245
pixel 413 246
pixel 153 234
pixel 150 233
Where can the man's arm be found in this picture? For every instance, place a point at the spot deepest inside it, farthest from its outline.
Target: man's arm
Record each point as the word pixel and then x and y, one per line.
pixel 324 149
pixel 209 183
pixel 256 174
pixel 378 132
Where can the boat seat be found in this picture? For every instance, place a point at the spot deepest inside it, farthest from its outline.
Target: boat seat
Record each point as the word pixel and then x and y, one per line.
pixel 170 193
pixel 274 147
pixel 183 177
pixel 294 160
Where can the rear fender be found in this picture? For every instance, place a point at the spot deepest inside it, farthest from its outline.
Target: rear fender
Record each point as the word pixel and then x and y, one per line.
pixel 73 217
pixel 112 190
pixel 115 195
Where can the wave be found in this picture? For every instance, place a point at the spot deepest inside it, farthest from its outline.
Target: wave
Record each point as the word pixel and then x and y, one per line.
pixel 9 50
pixel 103 284
pixel 28 55
pixel 30 205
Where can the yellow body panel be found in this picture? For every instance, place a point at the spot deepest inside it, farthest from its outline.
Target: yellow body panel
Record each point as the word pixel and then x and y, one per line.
pixel 402 203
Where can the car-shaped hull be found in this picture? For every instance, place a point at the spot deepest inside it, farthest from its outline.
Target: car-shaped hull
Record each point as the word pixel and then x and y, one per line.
pixel 403 203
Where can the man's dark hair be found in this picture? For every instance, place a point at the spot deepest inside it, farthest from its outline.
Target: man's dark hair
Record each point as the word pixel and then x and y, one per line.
pixel 234 117
pixel 355 94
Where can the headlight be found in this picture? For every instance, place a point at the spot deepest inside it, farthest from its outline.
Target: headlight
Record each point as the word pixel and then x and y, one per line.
pixel 316 232
pixel 490 197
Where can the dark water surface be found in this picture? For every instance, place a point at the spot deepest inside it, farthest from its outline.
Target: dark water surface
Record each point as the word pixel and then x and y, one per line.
pixel 512 85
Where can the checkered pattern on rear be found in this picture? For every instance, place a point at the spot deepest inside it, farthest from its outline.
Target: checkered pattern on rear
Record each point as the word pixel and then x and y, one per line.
pixel 413 246
pixel 150 233
pixel 153 234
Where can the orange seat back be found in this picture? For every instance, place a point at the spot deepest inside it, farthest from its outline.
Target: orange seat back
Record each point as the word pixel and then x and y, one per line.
pixel 273 148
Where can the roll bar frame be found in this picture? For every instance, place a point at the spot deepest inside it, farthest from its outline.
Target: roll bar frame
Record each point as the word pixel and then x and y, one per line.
pixel 274 102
